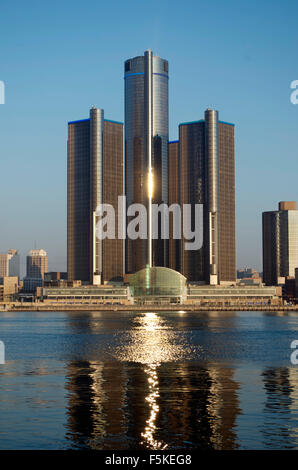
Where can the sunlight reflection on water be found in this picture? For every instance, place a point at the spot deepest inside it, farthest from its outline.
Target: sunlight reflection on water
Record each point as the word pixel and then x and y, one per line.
pixel 152 340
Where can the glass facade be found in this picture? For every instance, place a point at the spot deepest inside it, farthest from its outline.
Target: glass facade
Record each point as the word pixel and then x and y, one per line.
pixel 271 251
pixel 226 191
pixel 207 176
pixel 293 241
pixel 192 191
pixel 174 198
pixel 146 146
pixel 101 293
pixel 157 281
pixel 78 201
pixel 280 244
pixel 95 175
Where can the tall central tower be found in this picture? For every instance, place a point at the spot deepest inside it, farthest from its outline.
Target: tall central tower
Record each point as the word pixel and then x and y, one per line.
pixel 146 151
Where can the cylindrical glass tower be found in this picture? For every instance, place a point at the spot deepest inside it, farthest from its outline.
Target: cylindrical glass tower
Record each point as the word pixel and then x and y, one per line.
pixel 146 151
pixel 212 177
pixel 96 188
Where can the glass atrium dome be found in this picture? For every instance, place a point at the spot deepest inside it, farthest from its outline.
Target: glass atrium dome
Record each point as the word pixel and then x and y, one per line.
pixel 157 281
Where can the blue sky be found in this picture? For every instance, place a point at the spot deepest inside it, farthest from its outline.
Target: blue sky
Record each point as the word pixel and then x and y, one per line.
pixel 60 58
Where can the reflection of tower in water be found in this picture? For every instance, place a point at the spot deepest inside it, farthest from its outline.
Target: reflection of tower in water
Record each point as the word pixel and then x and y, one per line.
pixel 280 388
pixel 96 405
pixel 146 399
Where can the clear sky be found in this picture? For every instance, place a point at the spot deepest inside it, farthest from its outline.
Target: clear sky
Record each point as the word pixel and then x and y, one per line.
pixel 58 58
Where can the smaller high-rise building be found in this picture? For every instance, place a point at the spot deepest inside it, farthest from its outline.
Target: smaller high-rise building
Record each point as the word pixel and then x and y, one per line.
pixel 280 242
pixel 37 264
pixel 10 264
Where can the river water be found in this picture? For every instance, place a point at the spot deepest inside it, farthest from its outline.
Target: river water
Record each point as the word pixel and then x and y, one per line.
pixel 210 380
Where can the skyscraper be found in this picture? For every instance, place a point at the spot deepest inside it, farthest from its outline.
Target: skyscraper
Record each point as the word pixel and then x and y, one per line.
pixel 95 176
pixel 174 198
pixel 207 176
pixel 146 150
pixel 10 264
pixel 37 264
pixel 280 242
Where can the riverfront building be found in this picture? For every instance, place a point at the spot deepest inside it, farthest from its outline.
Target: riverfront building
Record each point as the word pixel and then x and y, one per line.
pixel 163 286
pixel 10 264
pixel 202 162
pixel 9 287
pixel 146 151
pixel 95 176
pixel 280 243
pixel 198 169
pixel 174 198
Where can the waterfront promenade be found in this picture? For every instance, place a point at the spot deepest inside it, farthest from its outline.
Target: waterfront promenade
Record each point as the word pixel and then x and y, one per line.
pixel 81 307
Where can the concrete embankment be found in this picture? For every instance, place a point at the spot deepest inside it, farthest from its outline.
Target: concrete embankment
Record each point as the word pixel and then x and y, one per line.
pixel 42 307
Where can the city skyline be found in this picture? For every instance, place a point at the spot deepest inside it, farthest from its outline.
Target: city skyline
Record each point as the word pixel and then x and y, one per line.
pixel 239 77
pixel 97 168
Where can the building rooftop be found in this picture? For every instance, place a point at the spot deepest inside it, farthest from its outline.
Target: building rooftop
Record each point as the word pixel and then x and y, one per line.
pixel 287 206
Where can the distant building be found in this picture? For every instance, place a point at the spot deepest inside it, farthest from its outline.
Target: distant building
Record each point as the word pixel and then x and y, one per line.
pixel 55 276
pixel 288 289
pixel 280 243
pixel 248 277
pixel 248 273
pixel 62 283
pixel 30 284
pixel 95 176
pixel 10 264
pixel 9 287
pixel 37 264
pixel 251 281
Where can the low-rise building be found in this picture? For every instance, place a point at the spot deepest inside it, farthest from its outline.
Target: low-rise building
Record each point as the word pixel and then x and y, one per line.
pixel 30 284
pixel 106 294
pixel 62 283
pixel 55 276
pixel 9 288
pixel 160 285
pixel 238 295
pixel 288 289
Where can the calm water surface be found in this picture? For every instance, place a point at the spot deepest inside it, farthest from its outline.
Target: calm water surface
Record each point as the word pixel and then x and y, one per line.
pixel 150 380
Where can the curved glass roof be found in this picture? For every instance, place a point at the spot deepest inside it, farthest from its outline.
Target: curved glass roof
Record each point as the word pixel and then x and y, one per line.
pixel 157 281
